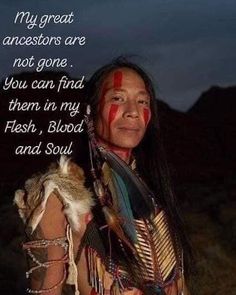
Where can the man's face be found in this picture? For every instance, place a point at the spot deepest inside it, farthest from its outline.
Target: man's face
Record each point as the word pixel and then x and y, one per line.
pixel 124 109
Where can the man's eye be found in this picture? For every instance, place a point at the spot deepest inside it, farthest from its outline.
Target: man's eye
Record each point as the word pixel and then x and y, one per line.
pixel 117 98
pixel 144 102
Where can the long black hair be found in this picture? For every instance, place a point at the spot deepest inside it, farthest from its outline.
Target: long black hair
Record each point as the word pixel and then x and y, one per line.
pixel 151 165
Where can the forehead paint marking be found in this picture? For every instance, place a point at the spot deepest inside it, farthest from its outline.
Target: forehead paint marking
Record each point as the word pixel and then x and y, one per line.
pixel 117 79
pixel 146 115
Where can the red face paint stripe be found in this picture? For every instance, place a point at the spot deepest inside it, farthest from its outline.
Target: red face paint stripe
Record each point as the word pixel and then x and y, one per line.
pixel 111 116
pixel 146 116
pixel 118 79
pixel 102 97
pixel 102 103
pixel 112 113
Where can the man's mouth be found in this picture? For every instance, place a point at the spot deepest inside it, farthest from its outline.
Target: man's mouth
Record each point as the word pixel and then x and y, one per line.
pixel 129 128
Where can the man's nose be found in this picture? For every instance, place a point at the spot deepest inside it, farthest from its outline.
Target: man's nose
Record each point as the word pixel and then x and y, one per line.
pixel 131 109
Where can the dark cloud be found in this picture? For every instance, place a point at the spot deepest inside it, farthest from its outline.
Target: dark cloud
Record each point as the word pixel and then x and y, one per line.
pixel 186 46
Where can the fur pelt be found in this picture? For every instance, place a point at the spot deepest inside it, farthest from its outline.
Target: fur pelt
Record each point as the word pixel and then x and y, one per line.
pixel 66 181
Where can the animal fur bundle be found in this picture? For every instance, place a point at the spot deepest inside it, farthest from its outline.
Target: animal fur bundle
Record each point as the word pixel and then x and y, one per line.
pixel 66 181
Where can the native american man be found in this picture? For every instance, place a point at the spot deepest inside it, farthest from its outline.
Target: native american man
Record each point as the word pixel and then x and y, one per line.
pixel 114 227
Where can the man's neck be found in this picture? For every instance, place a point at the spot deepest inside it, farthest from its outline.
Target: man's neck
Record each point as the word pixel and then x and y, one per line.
pixel 123 153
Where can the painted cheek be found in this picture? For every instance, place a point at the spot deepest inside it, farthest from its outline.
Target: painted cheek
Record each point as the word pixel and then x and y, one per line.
pixel 102 97
pixel 117 83
pixel 146 115
pixel 111 116
pixel 117 79
pixel 101 105
pixel 112 113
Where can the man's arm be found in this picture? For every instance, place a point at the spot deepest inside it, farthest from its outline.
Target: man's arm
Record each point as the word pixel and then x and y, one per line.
pixel 52 226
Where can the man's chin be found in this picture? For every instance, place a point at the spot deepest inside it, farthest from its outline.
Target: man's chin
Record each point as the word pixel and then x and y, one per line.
pixel 127 144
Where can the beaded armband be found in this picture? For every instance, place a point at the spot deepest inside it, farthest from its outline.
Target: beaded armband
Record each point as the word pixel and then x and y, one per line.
pixel 37 264
pixel 69 273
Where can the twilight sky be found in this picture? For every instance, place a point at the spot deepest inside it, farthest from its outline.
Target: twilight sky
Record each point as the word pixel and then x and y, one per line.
pixel 185 45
